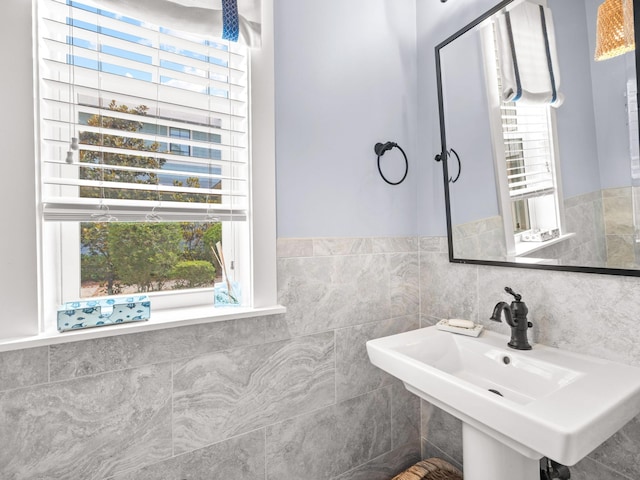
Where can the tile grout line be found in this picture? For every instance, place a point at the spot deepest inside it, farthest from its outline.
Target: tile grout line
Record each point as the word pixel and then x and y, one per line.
pixel 477 319
pixel 48 363
pixel 204 447
pixel 335 367
pixel 449 458
pixel 319 409
pixel 176 359
pixel 608 467
pixel 265 453
pixel 421 452
pixel 353 469
pixel 419 284
pixel 391 397
pixel 173 443
pixel 372 251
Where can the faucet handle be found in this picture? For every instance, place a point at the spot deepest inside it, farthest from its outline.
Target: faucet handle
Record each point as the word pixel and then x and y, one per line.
pixel 510 291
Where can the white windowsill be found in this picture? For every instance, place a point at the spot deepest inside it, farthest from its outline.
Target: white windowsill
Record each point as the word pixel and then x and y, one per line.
pixel 169 318
pixel 524 248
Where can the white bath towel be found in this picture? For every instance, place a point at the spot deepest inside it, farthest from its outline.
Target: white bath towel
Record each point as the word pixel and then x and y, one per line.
pixel 527 55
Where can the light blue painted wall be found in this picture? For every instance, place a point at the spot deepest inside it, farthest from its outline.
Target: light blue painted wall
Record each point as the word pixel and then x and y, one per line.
pixel 473 195
pixel 435 22
pixel 609 88
pixel 592 124
pixel 345 79
pixel 576 125
pixel 367 78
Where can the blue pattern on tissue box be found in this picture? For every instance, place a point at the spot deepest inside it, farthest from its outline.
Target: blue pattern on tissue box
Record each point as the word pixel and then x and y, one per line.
pixel 108 311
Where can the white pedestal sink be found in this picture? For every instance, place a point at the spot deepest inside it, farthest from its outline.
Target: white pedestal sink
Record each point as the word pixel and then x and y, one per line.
pixel 516 406
pixel 488 459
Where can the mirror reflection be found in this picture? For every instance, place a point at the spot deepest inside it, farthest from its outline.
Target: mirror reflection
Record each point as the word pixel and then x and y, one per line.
pixel 547 137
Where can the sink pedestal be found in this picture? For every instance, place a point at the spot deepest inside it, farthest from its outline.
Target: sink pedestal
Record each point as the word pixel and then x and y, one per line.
pixel 486 458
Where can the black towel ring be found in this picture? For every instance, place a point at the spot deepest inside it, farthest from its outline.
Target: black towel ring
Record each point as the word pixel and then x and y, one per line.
pixel 380 148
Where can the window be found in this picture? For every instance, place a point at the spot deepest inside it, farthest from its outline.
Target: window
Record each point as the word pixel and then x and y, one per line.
pixel 529 166
pixel 526 161
pixel 125 90
pixel 180 148
pixel 151 153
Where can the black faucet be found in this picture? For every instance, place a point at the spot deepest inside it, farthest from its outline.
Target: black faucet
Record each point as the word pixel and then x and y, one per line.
pixel 516 316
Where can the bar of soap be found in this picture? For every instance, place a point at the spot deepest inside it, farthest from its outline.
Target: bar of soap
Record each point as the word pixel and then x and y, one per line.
pixel 460 323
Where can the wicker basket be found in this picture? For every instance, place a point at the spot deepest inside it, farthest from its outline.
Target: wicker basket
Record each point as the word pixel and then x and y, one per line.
pixel 431 469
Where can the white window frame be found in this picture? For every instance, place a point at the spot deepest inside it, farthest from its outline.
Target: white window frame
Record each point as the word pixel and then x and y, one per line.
pixel 515 247
pixel 24 256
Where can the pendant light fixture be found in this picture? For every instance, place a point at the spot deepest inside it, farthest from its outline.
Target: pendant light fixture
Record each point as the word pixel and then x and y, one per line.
pixel 615 33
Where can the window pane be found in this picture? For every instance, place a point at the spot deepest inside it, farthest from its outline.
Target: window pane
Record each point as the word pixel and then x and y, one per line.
pixel 520 212
pixel 179 132
pixel 147 257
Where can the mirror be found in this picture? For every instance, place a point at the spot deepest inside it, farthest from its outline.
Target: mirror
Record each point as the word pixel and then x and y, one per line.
pixel 566 199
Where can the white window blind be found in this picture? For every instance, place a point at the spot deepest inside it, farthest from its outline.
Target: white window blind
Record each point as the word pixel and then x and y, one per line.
pixel 528 152
pixel 527 143
pixel 160 117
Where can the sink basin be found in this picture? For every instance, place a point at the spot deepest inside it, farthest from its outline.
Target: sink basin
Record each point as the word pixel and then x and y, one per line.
pixel 544 402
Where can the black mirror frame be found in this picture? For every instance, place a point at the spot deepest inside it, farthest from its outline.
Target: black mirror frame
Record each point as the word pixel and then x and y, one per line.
pixel 444 149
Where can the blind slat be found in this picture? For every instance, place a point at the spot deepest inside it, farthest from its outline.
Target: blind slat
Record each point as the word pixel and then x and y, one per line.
pixel 150 137
pixel 544 164
pixel 511 158
pixel 142 187
pixel 172 114
pixel 531 179
pixel 60 125
pixel 175 173
pixel 94 210
pixel 522 131
pixel 106 81
pixel 528 177
pixel 530 193
pixel 153 137
pixel 57 34
pixel 148 154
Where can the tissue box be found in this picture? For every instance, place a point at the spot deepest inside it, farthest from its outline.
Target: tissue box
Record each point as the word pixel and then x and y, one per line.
pixel 100 312
pixel 540 235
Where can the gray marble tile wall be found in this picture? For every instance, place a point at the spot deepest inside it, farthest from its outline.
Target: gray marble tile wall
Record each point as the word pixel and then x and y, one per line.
pixel 619 227
pixel 294 395
pixel 287 396
pixel 594 314
pixel 584 218
pixel 484 237
pixel 604 224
